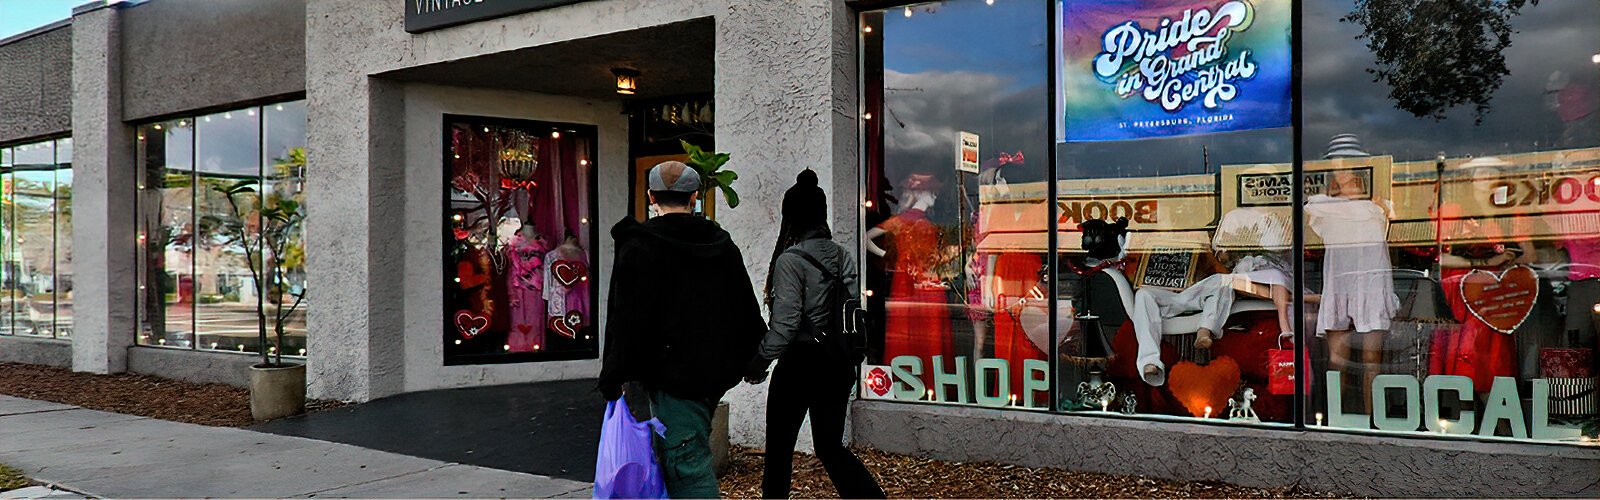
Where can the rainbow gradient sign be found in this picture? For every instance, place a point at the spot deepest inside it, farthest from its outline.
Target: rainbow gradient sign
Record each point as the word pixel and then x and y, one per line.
pixel 1135 69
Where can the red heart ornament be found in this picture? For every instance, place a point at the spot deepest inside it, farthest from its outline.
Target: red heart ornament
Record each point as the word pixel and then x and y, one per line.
pixel 1198 387
pixel 1502 301
pixel 567 325
pixel 470 325
pixel 525 329
pixel 468 277
pixel 569 272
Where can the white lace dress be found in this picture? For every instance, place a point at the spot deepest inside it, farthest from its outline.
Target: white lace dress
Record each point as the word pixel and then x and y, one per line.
pixel 1357 281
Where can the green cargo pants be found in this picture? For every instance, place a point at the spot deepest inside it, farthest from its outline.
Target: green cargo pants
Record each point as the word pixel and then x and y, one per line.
pixel 685 450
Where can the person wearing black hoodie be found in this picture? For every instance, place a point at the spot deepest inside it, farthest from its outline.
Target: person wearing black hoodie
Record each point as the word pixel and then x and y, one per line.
pixel 682 319
pixel 808 378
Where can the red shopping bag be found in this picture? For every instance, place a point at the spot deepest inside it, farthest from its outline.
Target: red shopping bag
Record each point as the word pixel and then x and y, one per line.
pixel 1280 368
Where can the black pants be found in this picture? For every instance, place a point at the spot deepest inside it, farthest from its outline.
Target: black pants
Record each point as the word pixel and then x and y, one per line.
pixel 802 383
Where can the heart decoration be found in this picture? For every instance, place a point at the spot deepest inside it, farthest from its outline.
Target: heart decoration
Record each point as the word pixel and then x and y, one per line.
pixel 1502 301
pixel 525 329
pixel 470 325
pixel 469 277
pixel 1198 387
pixel 569 272
pixel 567 325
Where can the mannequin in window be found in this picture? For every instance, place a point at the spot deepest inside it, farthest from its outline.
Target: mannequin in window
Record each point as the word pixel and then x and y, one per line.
pixel 1473 242
pixel 918 324
pixel 566 290
pixel 525 281
pixel 1357 299
pixel 1251 244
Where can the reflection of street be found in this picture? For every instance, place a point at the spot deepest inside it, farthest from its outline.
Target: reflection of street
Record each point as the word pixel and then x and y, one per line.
pixel 229 327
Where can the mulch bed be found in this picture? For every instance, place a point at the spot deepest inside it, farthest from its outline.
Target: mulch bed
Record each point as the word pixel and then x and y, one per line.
pixel 912 477
pixel 143 395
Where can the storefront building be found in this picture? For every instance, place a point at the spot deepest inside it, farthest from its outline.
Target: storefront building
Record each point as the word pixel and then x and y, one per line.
pixel 1322 272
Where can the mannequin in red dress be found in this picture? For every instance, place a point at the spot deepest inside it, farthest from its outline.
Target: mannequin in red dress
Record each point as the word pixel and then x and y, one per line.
pixel 1476 350
pixel 918 321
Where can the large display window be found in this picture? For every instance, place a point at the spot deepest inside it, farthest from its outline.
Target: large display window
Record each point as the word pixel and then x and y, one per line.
pixel 1109 208
pixel 196 288
pixel 36 239
pixel 519 261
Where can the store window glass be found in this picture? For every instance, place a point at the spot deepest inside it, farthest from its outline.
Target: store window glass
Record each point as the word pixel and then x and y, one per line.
pixel 1177 292
pixel 197 279
pixel 519 241
pixel 7 276
pixel 63 237
pixel 227 150
pixel 1451 222
pixel 30 240
pixel 956 213
pixel 284 157
pixel 165 202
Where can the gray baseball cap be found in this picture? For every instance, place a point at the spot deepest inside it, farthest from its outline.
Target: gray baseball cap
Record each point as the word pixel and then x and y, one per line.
pixel 674 176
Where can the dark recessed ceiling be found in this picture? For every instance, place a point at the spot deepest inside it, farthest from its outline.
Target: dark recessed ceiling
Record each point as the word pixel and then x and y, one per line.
pixel 673 59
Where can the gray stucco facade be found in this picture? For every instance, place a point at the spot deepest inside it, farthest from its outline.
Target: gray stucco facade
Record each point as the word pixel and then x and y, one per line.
pixel 785 88
pixel 35 88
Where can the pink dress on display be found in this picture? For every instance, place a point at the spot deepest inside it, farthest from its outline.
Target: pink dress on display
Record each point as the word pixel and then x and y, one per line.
pixel 525 284
pixel 566 291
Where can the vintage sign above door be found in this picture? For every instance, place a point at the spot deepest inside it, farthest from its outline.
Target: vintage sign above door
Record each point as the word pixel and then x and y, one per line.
pixel 425 15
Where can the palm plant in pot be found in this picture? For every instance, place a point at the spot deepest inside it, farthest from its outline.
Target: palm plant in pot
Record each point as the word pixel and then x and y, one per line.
pixel 277 389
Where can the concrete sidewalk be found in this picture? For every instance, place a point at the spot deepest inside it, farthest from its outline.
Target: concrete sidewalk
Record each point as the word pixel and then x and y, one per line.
pixel 111 455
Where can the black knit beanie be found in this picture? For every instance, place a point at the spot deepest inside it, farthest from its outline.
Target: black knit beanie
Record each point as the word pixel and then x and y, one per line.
pixel 805 206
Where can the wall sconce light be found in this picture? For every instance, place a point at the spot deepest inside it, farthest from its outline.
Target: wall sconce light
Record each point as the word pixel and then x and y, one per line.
pixel 627 80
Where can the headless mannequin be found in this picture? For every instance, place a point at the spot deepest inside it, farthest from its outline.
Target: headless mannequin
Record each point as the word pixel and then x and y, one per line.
pixel 1213 298
pixel 916 200
pixel 1347 185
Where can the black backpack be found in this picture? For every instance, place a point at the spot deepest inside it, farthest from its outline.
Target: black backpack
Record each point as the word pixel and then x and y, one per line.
pixel 844 340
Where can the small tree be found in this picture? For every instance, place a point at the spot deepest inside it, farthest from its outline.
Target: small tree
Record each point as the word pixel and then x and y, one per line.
pixel 278 219
pixel 709 165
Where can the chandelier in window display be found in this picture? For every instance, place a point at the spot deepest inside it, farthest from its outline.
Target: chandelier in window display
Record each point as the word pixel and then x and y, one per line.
pixel 519 159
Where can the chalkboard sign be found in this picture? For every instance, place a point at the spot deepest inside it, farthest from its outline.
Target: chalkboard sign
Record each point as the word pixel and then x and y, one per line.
pixel 1167 268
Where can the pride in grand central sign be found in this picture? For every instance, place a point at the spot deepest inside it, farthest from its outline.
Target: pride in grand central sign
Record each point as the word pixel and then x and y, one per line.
pixel 1136 69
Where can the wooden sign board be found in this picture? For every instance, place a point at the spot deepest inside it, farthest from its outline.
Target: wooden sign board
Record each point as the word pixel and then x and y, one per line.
pixel 1167 268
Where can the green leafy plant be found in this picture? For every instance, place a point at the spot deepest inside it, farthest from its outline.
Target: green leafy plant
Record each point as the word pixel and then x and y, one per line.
pixel 709 166
pixel 279 220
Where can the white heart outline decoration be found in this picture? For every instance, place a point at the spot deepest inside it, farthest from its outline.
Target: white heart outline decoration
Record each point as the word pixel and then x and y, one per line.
pixel 1461 288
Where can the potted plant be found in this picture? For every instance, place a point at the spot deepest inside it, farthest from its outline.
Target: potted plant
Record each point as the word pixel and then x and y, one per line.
pixel 277 389
pixel 709 165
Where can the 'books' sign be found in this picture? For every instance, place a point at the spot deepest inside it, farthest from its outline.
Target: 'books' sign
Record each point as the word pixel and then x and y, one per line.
pixel 425 15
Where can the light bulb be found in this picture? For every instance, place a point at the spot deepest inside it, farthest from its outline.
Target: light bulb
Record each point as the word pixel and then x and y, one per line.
pixel 555 134
pixel 989 2
pixel 867 116
pixel 278 107
pixel 908 11
pixel 251 111
pixel 508 347
pixel 302 352
pixel 458 341
pixel 867 29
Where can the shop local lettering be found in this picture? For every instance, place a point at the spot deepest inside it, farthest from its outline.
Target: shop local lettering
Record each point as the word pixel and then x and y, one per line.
pixel 1422 400
pixel 1137 59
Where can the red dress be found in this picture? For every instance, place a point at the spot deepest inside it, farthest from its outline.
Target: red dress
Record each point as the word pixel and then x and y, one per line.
pixel 1474 349
pixel 918 322
pixel 1016 274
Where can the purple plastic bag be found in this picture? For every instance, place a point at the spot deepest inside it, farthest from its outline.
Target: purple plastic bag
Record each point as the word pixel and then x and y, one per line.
pixel 626 464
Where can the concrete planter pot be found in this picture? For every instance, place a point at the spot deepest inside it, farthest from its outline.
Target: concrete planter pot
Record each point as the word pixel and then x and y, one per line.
pixel 277 391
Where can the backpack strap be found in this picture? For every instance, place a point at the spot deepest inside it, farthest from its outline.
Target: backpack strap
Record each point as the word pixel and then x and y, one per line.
pixel 826 274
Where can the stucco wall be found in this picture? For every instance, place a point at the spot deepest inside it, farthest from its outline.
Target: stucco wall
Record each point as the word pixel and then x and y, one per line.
pixel 1360 465
pixel 426 106
pixel 32 351
pixel 192 366
pixel 36 85
pixel 183 55
pixel 777 65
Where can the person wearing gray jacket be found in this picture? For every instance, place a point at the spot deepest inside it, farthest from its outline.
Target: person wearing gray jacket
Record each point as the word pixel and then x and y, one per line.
pixel 808 379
